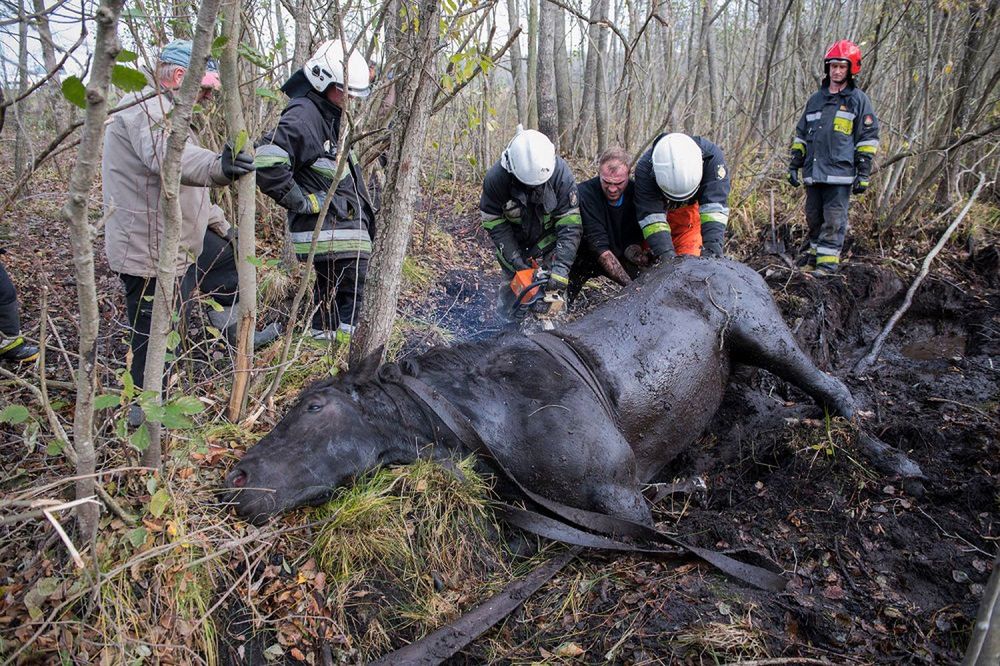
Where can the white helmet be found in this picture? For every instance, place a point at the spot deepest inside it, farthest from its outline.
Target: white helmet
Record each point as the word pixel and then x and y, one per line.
pixel 677 165
pixel 326 68
pixel 530 157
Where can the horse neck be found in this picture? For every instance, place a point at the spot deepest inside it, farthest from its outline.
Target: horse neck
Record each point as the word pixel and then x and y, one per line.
pixel 403 420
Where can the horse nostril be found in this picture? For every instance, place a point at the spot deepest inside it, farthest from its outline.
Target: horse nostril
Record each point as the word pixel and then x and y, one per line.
pixel 238 478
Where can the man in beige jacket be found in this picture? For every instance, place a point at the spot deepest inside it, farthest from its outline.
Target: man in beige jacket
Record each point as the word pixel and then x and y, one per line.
pixel 135 143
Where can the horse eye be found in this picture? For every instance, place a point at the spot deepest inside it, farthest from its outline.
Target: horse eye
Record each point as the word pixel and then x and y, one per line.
pixel 315 407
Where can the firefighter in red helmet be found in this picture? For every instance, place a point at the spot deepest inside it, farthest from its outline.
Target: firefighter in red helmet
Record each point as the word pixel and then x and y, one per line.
pixel 835 141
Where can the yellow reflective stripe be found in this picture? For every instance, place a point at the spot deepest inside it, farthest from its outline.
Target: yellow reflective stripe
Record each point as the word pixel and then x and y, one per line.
pixel 843 125
pixel 714 217
pixel 655 228
pixel 492 223
pixel 569 221
pixel 323 247
pixel 870 150
pixel 827 259
pixel 559 278
pixel 799 146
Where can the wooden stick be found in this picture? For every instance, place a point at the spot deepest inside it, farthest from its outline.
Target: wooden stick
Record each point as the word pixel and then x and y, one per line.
pixel 984 646
pixel 866 361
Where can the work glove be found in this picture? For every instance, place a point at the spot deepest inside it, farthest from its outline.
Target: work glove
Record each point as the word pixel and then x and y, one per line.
pixel 637 255
pixel 235 166
pixel 861 184
pixel 712 249
pixel 556 284
pixel 793 177
pixel 312 203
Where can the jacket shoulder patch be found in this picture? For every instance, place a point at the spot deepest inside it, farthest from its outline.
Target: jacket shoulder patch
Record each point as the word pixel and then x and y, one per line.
pixel 869 120
pixel 572 198
pixel 721 171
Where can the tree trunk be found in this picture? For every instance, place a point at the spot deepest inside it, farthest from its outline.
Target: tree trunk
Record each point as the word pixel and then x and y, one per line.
pixel 392 236
pixel 49 58
pixel 533 63
pixel 302 11
pixel 22 149
pixel 580 144
pixel 246 207
pixel 181 21
pixel 106 49
pixel 601 87
pixel 548 122
pixel 564 89
pixel 517 68
pixel 170 206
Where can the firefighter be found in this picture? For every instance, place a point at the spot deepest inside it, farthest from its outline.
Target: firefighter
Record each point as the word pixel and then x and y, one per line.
pixel 529 208
pixel 296 165
pixel 135 142
pixel 613 243
pixel 13 347
pixel 682 196
pixel 835 142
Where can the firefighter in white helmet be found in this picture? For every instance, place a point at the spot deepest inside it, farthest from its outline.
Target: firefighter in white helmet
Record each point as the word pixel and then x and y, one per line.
pixel 296 165
pixel 529 208
pixel 682 196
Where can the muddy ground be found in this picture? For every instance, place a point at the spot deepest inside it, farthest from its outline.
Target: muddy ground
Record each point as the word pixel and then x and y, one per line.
pixel 878 575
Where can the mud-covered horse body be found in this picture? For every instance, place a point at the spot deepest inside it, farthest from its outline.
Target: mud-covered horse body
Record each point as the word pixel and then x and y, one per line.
pixel 582 421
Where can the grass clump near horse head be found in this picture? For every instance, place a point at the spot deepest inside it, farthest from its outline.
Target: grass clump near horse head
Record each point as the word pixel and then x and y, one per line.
pixel 409 548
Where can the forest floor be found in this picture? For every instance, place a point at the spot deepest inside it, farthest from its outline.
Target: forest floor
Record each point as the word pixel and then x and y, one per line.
pixel 877 575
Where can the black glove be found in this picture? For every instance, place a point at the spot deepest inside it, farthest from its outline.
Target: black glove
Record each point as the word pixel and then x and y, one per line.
pixel 235 166
pixel 793 177
pixel 712 249
pixel 861 184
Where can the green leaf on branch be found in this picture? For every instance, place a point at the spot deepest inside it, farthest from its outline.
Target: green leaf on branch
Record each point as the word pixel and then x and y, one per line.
pixel 54 447
pixel 173 339
pixel 74 92
pixel 174 419
pixel 127 56
pixel 128 79
pixel 241 141
pixel 107 400
pixel 254 261
pixel 14 414
pixel 217 46
pixel 188 404
pixel 267 93
pixel 140 438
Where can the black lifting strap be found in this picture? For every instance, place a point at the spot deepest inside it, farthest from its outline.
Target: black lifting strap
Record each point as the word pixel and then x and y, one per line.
pixel 582 524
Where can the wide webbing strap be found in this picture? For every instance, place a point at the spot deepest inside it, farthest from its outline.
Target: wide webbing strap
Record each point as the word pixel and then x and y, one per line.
pixel 610 527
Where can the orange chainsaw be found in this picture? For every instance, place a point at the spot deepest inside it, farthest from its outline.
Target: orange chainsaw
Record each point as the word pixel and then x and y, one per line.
pixel 528 286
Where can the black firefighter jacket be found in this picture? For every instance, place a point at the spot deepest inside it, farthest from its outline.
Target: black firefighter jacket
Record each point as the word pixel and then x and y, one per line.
pixel 836 137
pixel 299 158
pixel 529 222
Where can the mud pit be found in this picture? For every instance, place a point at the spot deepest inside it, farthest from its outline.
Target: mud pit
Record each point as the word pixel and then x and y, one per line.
pixel 877 575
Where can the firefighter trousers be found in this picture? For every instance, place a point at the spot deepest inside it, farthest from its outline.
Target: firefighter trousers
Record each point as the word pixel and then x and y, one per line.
pixel 339 288
pixel 826 214
pixel 10 322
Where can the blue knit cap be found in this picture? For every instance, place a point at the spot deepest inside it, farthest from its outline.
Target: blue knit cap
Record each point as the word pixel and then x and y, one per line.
pixel 178 52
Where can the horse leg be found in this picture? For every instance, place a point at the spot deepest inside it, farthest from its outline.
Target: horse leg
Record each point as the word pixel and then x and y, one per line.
pixel 761 338
pixel 622 501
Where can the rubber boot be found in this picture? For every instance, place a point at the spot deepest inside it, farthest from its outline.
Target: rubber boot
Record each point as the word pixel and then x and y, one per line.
pixel 16 350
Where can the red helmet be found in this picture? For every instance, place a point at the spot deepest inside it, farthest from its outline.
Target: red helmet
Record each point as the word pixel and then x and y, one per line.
pixel 847 51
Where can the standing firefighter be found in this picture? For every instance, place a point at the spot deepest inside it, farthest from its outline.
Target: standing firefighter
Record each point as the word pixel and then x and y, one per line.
pixel 835 142
pixel 296 166
pixel 682 196
pixel 529 208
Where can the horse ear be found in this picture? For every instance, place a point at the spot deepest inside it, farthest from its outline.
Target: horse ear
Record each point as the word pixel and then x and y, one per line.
pixel 369 364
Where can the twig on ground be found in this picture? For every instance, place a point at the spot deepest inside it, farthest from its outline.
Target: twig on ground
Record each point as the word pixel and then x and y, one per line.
pixel 868 359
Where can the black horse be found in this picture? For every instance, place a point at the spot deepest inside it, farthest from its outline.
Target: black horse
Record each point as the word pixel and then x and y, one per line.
pixel 582 415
